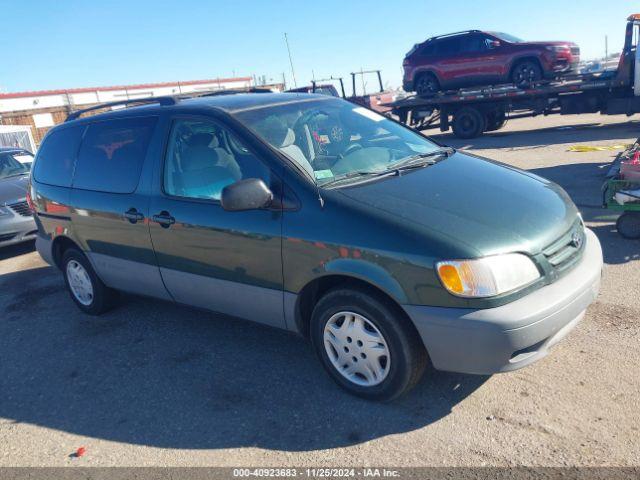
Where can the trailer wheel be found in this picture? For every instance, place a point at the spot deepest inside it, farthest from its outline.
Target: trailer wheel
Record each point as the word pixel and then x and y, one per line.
pixel 468 122
pixel 495 121
pixel 628 225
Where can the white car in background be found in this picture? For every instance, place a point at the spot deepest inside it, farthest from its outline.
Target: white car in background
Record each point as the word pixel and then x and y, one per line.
pixel 16 218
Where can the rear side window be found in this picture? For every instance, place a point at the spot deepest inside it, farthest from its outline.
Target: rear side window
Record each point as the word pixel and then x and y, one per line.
pixel 473 43
pixel 112 153
pixel 57 155
pixel 449 46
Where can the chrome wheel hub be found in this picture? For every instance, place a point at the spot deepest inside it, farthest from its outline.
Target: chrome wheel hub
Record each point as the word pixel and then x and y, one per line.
pixel 357 349
pixel 80 282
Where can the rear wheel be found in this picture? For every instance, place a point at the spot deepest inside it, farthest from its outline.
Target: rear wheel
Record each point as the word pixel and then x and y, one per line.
pixel 468 122
pixel 495 121
pixel 628 225
pixel 427 85
pixel 86 289
pixel 525 73
pixel 366 346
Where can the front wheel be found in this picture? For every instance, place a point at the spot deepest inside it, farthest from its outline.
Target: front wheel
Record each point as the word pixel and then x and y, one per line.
pixel 525 73
pixel 367 347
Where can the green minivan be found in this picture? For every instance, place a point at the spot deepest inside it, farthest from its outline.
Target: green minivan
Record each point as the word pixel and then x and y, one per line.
pixel 315 215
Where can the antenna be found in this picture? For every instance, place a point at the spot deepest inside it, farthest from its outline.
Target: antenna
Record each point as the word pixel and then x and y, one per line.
pixel 293 73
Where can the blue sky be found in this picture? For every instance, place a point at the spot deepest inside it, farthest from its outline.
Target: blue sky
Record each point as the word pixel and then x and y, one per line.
pixel 66 44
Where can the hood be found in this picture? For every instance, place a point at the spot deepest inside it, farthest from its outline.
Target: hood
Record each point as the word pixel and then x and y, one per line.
pixel 13 189
pixel 484 206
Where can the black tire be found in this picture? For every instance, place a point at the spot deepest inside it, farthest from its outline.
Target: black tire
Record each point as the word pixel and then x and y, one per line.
pixel 628 225
pixel 102 297
pixel 407 356
pixel 427 85
pixel 526 72
pixel 495 121
pixel 468 122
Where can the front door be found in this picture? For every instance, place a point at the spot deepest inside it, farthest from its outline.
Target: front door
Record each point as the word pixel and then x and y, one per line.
pixel 229 262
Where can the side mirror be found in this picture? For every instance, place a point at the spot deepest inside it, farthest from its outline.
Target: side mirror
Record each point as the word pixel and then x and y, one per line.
pixel 494 44
pixel 248 194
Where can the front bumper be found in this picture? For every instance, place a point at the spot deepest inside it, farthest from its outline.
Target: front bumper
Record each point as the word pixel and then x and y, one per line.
pixel 514 335
pixel 16 229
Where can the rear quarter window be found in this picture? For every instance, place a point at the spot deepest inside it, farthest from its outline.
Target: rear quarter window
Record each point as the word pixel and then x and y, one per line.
pixel 56 157
pixel 112 153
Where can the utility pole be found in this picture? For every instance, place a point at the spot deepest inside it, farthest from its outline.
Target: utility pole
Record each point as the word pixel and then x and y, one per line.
pixel 606 47
pixel 293 73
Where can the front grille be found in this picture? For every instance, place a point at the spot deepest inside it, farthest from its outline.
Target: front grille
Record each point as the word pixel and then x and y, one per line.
pixel 565 251
pixel 575 51
pixel 21 208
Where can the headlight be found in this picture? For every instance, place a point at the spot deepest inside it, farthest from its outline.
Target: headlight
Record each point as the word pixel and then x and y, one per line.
pixel 488 276
pixel 557 48
pixel 4 211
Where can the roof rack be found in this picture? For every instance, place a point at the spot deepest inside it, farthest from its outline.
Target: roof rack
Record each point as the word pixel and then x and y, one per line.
pixel 452 34
pixel 231 91
pixel 159 100
pixel 165 100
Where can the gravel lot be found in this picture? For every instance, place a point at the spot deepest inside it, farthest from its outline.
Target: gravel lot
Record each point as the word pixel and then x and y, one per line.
pixel 153 384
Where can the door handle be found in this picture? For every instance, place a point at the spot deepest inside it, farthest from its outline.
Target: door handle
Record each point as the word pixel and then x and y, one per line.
pixel 133 215
pixel 164 219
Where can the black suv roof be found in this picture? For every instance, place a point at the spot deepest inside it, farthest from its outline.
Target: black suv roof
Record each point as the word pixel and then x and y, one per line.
pixel 463 32
pixel 230 103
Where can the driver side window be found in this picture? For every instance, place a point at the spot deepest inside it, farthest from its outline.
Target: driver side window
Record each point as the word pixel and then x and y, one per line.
pixel 203 157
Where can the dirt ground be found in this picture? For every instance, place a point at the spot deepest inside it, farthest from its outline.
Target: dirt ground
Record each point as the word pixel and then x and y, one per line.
pixel 154 384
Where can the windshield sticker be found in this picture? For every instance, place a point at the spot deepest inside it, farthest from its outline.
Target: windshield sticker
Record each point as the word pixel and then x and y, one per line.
pixel 365 112
pixel 322 174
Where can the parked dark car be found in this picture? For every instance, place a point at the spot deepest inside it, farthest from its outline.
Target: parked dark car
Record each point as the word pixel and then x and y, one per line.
pixel 475 57
pixel 312 214
pixel 16 220
pixel 324 89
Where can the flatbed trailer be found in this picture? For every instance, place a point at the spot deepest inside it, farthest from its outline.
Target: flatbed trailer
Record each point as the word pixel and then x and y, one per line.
pixel 472 111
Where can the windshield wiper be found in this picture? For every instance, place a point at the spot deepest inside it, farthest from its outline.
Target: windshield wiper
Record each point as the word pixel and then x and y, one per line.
pixel 420 159
pixel 356 174
pixel 414 161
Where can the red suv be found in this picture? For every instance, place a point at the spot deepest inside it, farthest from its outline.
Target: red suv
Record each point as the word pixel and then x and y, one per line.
pixel 475 57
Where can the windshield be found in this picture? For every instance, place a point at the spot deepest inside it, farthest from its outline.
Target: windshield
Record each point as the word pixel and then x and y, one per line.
pixel 11 163
pixel 506 37
pixel 332 138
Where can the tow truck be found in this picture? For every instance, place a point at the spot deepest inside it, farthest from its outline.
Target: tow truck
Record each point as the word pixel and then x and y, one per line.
pixel 374 101
pixel 471 112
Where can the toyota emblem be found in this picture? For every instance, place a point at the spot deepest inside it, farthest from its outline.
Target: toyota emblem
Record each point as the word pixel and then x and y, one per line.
pixel 576 239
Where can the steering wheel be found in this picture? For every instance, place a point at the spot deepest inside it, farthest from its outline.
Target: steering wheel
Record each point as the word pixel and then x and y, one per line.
pixel 319 120
pixel 351 148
